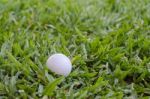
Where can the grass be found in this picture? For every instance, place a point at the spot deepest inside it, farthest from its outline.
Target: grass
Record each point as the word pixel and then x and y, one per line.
pixel 108 42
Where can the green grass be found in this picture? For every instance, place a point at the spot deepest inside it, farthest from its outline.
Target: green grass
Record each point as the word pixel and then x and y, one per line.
pixel 108 42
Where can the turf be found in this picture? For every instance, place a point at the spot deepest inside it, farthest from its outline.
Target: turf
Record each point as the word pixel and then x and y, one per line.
pixel 108 42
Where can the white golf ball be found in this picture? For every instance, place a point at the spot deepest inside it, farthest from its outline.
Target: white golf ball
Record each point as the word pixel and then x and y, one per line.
pixel 60 64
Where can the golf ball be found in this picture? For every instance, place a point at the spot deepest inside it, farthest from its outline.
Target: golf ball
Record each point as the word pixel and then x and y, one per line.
pixel 60 64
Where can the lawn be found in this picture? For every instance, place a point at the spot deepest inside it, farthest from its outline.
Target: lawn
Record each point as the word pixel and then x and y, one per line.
pixel 108 42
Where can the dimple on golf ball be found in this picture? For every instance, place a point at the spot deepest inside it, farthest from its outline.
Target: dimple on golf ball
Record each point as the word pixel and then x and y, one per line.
pixel 60 64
